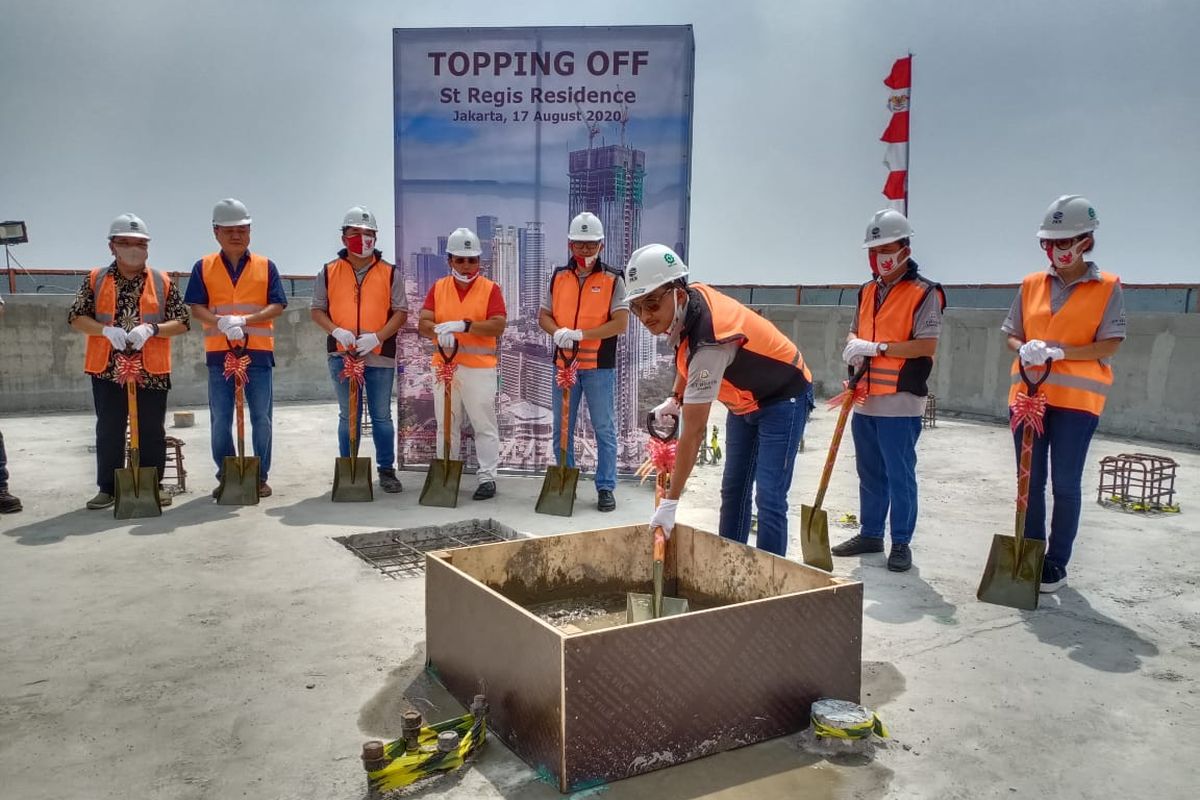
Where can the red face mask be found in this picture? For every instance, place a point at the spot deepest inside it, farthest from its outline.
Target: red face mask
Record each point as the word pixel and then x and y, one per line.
pixel 360 245
pixel 886 264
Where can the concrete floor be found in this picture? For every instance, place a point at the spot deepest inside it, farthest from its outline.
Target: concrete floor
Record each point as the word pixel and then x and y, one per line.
pixel 222 652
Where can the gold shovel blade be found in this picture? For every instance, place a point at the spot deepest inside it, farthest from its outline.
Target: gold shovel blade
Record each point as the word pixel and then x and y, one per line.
pixel 814 538
pixel 441 484
pixel 352 481
pixel 640 607
pixel 239 482
pixel 137 495
pixel 558 491
pixel 1010 578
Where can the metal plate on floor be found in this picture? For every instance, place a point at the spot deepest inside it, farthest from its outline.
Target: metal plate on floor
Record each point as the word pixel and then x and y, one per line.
pixel 401 553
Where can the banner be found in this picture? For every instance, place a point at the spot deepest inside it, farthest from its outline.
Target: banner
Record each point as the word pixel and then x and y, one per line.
pixel 899 82
pixel 511 132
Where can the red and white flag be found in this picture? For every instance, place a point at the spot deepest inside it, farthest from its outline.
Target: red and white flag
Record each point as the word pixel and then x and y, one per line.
pixel 899 82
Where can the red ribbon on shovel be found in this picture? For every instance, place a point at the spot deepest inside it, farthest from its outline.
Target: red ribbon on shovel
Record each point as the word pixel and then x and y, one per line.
pixel 859 391
pixel 567 376
pixel 129 369
pixel 353 369
pixel 1028 410
pixel 236 367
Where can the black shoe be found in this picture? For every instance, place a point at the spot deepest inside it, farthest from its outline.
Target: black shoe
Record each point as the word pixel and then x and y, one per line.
pixel 1054 578
pixel 605 500
pixel 857 545
pixel 388 480
pixel 263 489
pixel 8 503
pixel 216 492
pixel 101 500
pixel 900 559
pixel 485 491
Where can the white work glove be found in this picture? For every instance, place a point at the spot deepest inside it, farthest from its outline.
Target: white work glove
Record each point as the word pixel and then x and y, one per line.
pixel 446 341
pixel 366 343
pixel 1055 354
pixel 664 516
pixel 235 334
pixel 117 337
pixel 667 408
pixel 453 326
pixel 565 337
pixel 343 337
pixel 139 336
pixel 230 321
pixel 859 349
pixel 1034 352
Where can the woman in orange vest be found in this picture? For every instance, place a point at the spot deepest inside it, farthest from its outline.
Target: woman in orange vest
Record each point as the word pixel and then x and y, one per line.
pixel 893 340
pixel 1069 319
pixel 359 300
pixel 464 313
pixel 724 351
pixel 124 308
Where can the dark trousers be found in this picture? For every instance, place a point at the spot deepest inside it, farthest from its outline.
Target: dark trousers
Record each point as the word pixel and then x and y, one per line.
pixel 3 465
pixel 112 417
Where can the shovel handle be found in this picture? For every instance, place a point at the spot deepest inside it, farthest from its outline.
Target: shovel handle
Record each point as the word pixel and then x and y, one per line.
pixel 836 441
pixel 448 357
pixel 670 435
pixel 446 419
pixel 1031 386
pixel 660 544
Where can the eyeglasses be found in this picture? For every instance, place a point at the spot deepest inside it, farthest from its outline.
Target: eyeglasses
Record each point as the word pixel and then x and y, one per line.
pixel 465 259
pixel 649 304
pixel 585 246
pixel 1062 244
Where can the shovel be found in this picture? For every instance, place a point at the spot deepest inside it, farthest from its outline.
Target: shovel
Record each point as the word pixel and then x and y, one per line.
pixel 1013 573
pixel 814 524
pixel 445 474
pixel 352 476
pixel 558 487
pixel 641 607
pixel 136 486
pixel 239 474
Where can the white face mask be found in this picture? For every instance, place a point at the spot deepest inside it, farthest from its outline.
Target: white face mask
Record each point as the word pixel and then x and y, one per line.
pixel 676 326
pixel 458 276
pixel 887 264
pixel 133 256
pixel 586 262
pixel 1061 258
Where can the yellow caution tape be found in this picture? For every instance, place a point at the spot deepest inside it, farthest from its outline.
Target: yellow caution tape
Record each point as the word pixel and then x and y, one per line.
pixel 407 768
pixel 875 726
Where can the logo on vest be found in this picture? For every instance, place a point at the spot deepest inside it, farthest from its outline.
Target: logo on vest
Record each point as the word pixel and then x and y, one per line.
pixel 595 290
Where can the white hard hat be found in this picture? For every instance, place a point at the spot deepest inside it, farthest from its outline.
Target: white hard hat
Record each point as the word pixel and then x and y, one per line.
pixel 230 212
pixel 359 217
pixel 128 225
pixel 885 227
pixel 1068 217
pixel 650 267
pixel 586 227
pixel 463 242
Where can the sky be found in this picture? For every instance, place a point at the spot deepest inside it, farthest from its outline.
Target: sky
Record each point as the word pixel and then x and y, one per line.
pixel 163 107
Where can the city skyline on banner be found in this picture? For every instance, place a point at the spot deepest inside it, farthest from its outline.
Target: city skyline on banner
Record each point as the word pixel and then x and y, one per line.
pixel 517 184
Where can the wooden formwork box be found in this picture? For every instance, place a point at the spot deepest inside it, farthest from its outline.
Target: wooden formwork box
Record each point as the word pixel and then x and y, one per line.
pixel 597 706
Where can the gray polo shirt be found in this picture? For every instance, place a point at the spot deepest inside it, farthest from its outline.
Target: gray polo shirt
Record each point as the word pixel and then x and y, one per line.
pixel 1111 327
pixel 320 301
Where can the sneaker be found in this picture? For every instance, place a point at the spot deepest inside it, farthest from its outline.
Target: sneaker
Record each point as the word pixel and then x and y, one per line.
pixel 900 559
pixel 485 491
pixel 605 500
pixel 216 492
pixel 101 500
pixel 8 503
pixel 388 480
pixel 164 499
pixel 1054 577
pixel 857 545
pixel 263 489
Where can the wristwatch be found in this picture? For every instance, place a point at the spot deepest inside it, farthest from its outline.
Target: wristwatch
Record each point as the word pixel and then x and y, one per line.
pixel 154 327
pixel 467 329
pixel 883 347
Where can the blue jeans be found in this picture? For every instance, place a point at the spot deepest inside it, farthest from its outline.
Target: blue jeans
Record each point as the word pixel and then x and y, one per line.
pixel 885 450
pixel 378 390
pixel 259 401
pixel 760 452
pixel 599 386
pixel 1065 438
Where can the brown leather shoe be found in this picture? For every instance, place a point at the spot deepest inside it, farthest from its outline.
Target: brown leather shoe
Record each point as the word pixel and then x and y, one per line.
pixel 264 490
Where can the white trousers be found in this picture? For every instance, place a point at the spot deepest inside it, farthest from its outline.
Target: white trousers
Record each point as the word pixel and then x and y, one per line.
pixel 473 392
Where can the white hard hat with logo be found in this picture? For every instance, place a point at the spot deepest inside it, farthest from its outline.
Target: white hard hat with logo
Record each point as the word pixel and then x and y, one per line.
pixel 885 227
pixel 359 217
pixel 463 242
pixel 128 225
pixel 586 227
pixel 1068 217
pixel 652 266
pixel 230 212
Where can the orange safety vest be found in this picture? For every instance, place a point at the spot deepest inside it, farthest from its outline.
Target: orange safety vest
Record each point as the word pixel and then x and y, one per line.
pixel 893 322
pixel 768 367
pixel 156 353
pixel 473 350
pixel 1079 385
pixel 580 307
pixel 361 308
pixel 247 297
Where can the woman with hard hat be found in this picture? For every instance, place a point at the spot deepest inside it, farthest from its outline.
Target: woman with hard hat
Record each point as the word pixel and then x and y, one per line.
pixel 1068 319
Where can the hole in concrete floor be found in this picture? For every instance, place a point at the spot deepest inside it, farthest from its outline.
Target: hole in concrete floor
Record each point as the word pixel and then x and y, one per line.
pixel 401 553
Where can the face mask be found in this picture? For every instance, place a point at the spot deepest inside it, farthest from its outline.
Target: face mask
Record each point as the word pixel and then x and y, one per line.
pixel 1062 259
pixel 133 256
pixel 586 262
pixel 676 326
pixel 886 264
pixel 359 245
pixel 458 276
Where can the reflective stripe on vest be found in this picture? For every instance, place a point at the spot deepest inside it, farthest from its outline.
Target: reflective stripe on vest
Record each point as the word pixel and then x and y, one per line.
pixel 583 307
pixel 248 296
pixel 732 322
pixel 1078 385
pixel 473 350
pixel 156 352
pixel 892 321
pixel 359 308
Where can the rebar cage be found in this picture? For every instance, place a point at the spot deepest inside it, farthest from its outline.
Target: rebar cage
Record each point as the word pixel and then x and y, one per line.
pixel 1138 482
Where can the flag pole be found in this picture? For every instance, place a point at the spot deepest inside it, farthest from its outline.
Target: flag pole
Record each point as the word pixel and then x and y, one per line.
pixel 908 144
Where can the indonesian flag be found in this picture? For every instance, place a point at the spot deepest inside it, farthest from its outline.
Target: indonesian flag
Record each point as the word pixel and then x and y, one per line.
pixel 899 81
